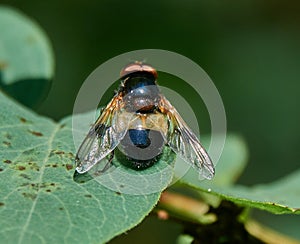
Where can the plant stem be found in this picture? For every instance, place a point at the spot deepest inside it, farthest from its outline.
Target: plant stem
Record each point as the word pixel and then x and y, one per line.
pixel 191 212
pixel 186 208
pixel 267 234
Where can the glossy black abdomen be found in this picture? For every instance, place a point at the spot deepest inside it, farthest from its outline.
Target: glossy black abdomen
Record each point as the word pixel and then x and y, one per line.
pixel 140 138
pixel 142 147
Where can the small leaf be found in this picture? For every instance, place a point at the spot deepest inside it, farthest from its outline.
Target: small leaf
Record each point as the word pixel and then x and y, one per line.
pixel 232 162
pixel 26 57
pixel 278 197
pixel 39 200
pixel 185 239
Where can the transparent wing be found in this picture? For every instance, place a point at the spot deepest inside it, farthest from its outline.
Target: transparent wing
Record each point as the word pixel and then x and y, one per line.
pixel 103 137
pixel 184 142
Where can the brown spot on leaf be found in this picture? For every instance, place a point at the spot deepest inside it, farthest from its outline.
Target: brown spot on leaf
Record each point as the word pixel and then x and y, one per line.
pixel 88 195
pixel 118 193
pixel 48 190
pixel 23 120
pixel 61 208
pixel 35 133
pixel 1 169
pixel 59 152
pixel 54 165
pixel 7 143
pixel 1 204
pixel 52 184
pixel 20 167
pixel 69 166
pixel 7 161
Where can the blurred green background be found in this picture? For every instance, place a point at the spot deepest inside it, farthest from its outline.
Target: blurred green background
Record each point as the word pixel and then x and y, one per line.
pixel 250 49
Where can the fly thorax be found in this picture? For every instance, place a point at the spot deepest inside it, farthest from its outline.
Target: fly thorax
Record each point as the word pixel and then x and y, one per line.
pixel 141 94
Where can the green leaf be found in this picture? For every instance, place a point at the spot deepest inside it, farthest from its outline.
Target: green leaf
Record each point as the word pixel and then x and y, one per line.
pixel 279 197
pixel 25 51
pixel 185 239
pixel 26 57
pixel 39 200
pixel 232 162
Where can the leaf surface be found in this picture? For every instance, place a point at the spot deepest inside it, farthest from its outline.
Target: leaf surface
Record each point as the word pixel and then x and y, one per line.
pixel 25 51
pixel 26 58
pixel 39 200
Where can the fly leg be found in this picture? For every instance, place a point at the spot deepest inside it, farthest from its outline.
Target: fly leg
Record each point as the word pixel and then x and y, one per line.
pixel 109 157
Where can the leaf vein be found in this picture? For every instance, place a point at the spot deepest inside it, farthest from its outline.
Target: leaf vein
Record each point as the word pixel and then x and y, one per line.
pixel 51 139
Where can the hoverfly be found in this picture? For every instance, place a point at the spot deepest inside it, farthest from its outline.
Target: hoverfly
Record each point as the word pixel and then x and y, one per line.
pixel 140 122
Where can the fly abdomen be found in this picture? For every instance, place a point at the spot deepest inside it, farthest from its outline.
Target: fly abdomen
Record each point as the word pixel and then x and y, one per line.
pixel 142 147
pixel 140 138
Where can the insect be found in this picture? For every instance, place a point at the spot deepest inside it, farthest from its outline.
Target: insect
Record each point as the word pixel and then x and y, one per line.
pixel 139 121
